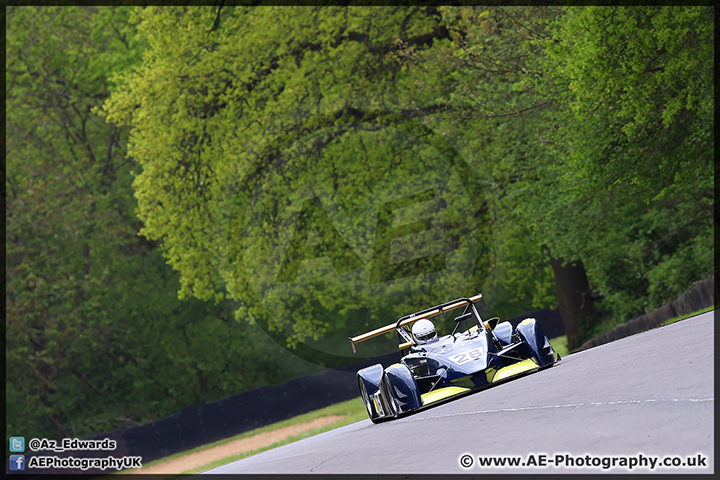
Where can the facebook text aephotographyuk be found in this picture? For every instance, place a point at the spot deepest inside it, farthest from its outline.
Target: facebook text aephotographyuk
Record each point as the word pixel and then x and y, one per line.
pixel 101 463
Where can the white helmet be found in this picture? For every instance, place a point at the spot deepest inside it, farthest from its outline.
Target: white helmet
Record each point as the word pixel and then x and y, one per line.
pixel 424 331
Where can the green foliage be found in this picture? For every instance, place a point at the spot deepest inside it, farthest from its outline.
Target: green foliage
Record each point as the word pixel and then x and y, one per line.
pixel 65 221
pixel 226 95
pixel 520 278
pixel 96 337
pixel 286 177
pixel 594 127
pixel 636 149
pixel 560 345
pixel 320 172
pixel 484 82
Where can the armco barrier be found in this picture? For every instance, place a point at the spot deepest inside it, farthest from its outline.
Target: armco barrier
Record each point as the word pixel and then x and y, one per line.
pixel 699 296
pixel 204 423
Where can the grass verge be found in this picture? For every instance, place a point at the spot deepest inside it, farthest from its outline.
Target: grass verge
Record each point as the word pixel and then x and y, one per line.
pixel 351 411
pixel 559 344
pixel 683 317
pixel 295 438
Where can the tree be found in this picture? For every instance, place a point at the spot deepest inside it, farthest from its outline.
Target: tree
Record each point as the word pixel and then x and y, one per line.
pixel 593 127
pixel 636 149
pixel 96 337
pixel 64 217
pixel 259 151
pixel 279 169
pixel 496 95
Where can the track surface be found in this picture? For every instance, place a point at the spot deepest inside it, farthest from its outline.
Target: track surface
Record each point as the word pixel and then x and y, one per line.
pixel 650 394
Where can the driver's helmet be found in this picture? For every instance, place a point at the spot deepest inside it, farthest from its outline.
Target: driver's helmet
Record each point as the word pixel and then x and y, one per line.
pixel 424 331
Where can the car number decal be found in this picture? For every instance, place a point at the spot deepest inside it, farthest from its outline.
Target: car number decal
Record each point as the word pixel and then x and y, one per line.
pixel 467 357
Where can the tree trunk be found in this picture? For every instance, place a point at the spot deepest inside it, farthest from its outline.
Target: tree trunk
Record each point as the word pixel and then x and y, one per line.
pixel 577 307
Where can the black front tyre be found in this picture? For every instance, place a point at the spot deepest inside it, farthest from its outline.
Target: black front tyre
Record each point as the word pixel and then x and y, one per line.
pixel 366 399
pixel 388 399
pixel 387 403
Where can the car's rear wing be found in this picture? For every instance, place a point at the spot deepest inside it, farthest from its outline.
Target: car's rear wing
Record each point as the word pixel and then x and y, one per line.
pixel 408 319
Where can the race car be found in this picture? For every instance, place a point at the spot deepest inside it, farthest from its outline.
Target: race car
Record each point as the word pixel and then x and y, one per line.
pixel 477 354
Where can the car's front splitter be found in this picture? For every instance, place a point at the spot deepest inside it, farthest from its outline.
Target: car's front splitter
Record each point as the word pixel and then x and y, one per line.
pixel 494 376
pixel 524 366
pixel 441 394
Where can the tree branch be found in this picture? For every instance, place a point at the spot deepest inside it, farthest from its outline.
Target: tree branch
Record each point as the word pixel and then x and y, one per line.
pixel 216 23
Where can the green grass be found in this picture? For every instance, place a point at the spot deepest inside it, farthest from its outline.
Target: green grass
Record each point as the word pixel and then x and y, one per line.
pixel 559 344
pixel 609 324
pixel 352 411
pixel 683 317
pixel 295 438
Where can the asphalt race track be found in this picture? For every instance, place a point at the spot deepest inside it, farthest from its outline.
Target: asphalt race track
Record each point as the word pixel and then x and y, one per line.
pixel 650 395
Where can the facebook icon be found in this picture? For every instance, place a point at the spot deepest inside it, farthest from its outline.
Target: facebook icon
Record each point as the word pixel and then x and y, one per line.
pixel 17 462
